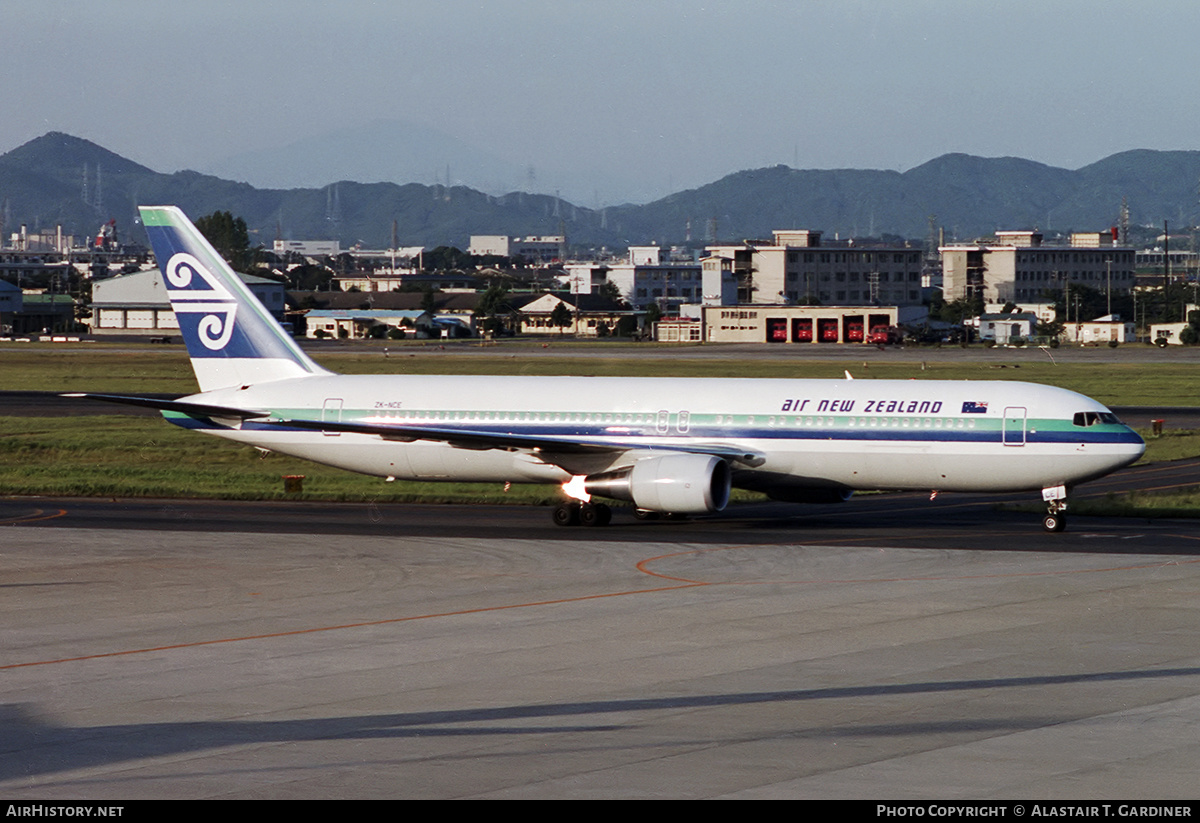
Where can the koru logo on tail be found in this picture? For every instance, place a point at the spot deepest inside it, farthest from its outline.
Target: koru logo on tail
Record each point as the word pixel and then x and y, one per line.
pixel 194 290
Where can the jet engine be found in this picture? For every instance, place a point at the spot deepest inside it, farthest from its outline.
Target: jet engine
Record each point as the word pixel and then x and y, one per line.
pixel 675 483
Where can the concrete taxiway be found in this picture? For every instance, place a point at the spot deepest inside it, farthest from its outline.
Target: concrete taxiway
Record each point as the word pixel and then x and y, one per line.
pixel 894 647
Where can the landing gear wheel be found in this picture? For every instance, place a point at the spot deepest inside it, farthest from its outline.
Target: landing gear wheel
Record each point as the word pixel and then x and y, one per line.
pixel 1054 522
pixel 1056 507
pixel 645 514
pixel 566 514
pixel 594 514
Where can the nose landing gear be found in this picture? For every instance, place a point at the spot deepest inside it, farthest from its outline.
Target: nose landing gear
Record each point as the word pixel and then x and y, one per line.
pixel 1056 507
pixel 1054 522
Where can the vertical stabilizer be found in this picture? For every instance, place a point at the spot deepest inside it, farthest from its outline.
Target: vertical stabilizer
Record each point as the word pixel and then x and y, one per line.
pixel 231 338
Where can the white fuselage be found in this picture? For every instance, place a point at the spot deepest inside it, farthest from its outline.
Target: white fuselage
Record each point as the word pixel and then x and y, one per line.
pixel 844 434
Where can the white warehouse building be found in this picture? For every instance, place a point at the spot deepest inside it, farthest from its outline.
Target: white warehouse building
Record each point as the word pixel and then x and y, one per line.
pixel 137 303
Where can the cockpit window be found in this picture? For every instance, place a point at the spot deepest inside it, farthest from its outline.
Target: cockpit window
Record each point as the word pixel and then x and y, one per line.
pixel 1091 418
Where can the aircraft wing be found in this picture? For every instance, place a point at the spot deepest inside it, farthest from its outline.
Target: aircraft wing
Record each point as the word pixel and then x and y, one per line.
pixel 480 440
pixel 483 440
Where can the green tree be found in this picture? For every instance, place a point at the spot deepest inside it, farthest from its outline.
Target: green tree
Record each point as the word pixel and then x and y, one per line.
pixel 308 277
pixel 1190 335
pixel 612 292
pixel 492 308
pixel 957 310
pixel 1087 303
pixel 229 236
pixel 444 258
pixel 1052 329
pixel 561 316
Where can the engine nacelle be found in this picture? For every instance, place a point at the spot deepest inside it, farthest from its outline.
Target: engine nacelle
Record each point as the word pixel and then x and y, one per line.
pixel 675 483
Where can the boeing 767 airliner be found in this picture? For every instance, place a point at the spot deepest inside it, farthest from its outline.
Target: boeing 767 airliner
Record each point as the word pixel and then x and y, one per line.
pixel 667 445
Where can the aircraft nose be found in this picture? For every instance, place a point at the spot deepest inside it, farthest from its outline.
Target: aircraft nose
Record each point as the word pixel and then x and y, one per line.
pixel 1135 447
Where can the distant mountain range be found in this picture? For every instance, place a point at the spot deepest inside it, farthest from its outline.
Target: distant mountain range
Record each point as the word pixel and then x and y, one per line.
pixel 379 151
pixel 58 179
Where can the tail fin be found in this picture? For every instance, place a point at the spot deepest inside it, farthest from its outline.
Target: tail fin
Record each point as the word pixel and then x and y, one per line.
pixel 231 339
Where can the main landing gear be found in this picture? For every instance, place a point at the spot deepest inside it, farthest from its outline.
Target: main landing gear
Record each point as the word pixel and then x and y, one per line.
pixel 575 513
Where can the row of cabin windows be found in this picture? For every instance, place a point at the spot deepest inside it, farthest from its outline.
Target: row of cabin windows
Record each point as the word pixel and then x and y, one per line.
pixel 721 419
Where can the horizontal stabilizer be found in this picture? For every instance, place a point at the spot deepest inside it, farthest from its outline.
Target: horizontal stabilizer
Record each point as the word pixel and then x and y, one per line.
pixel 181 406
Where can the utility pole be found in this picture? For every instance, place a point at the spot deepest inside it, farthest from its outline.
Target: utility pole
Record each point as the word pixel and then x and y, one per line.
pixel 1136 336
pixel 1066 295
pixel 395 242
pixel 1166 272
pixel 1166 260
pixel 1108 286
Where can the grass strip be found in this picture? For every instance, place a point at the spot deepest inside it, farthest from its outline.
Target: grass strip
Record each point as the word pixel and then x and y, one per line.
pixel 129 457
pixel 111 368
pixel 117 456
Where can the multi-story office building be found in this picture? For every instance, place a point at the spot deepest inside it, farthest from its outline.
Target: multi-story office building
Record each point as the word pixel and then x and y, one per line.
pixel 1020 268
pixel 797 268
pixel 669 285
pixel 535 250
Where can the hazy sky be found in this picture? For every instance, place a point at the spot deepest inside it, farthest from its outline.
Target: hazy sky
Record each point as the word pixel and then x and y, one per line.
pixel 649 95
